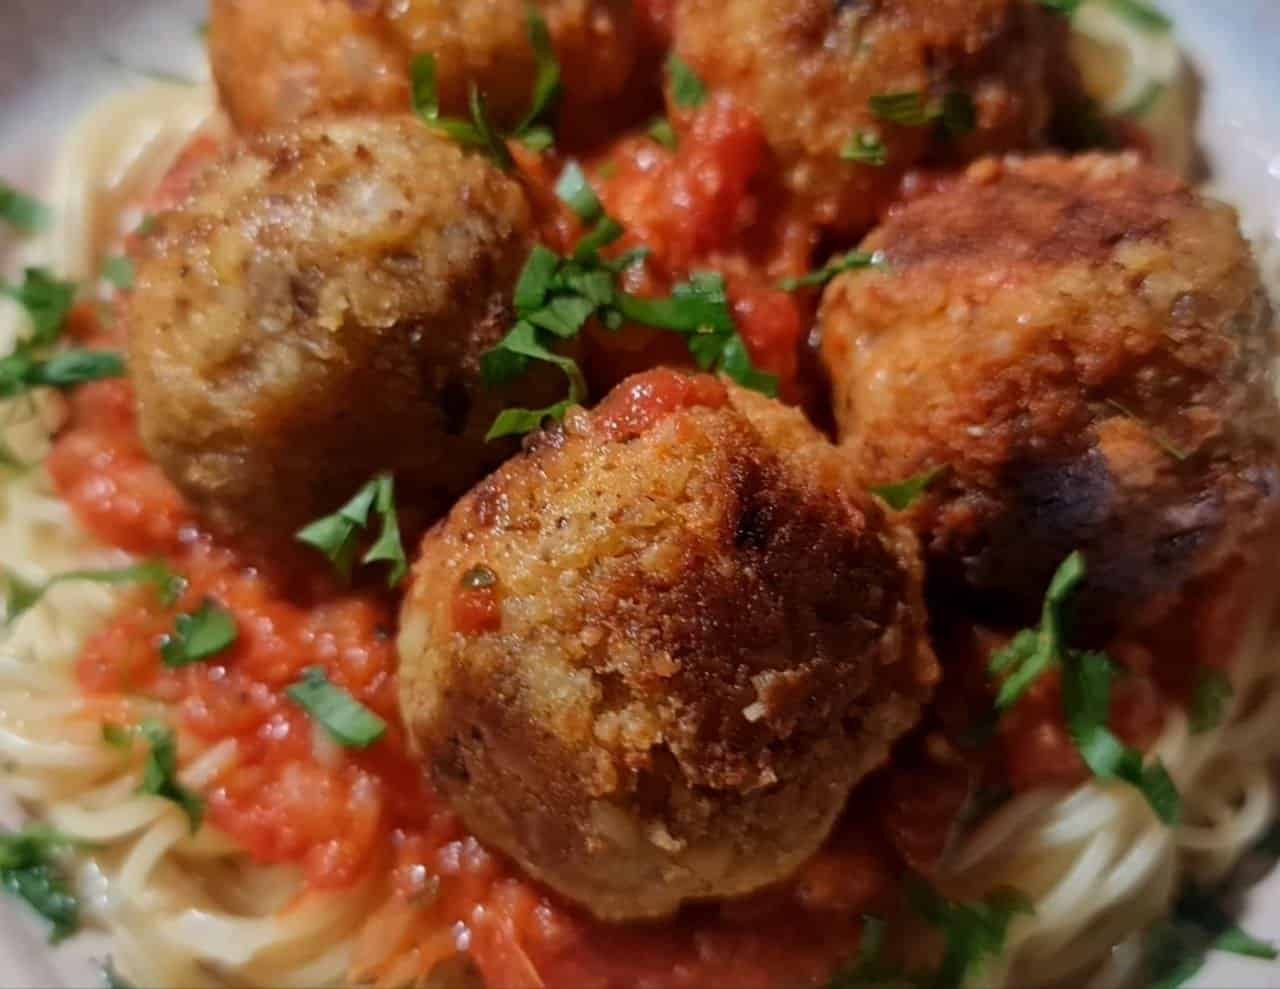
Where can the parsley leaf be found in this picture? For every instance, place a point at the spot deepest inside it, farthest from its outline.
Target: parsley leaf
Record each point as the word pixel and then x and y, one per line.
pixel 22 212
pixel 336 535
pixel 838 265
pixel 20 372
pixel 1086 694
pixel 523 342
pixel 546 85
pixel 1141 15
pixel 973 932
pixel 22 596
pixel 866 148
pixel 904 494
pixel 160 772
pixel 662 132
pixel 1032 652
pixel 1210 700
pixel 477 133
pixel 349 722
pixel 30 869
pixel 687 89
pixel 47 302
pixel 1065 7
pixel 199 636
pixel 119 271
pixel 389 547
pixel 954 116
pixel 575 191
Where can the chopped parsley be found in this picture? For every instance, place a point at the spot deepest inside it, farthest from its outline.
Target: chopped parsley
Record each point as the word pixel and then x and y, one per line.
pixel 31 869
pixel 1086 693
pixel 838 265
pixel 972 933
pixel 1210 700
pixel 866 148
pixel 1141 15
pixel 662 132
pixel 349 722
pixel 47 302
pixel 199 635
pixel 954 116
pixel 904 494
pixel 337 535
pixel 22 212
pixel 1177 948
pixel 688 91
pixel 160 772
pixel 555 297
pixel 119 271
pixel 1065 7
pixel 478 132
pixel 21 596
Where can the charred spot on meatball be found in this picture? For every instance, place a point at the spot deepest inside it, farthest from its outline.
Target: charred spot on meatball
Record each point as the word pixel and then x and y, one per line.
pixel 701 636
pixel 280 61
pixel 1086 346
pixel 316 313
pixel 818 75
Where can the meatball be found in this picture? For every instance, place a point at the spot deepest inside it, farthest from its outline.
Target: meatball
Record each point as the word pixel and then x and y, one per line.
pixel 650 657
pixel 278 61
pixel 810 70
pixel 316 312
pixel 1084 349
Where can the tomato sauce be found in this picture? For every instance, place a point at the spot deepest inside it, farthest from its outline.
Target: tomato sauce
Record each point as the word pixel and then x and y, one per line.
pixel 639 403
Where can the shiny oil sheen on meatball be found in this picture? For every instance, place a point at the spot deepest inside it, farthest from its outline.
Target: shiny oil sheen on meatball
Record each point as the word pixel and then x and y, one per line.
pixel 650 657
pixel 812 69
pixel 279 61
pixel 1085 347
pixel 316 312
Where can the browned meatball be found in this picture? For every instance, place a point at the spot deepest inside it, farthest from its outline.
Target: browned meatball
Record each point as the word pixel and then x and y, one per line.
pixel 650 657
pixel 278 61
pixel 810 69
pixel 1085 346
pixel 316 312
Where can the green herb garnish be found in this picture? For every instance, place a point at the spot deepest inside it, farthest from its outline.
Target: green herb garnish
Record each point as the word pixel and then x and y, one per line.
pixel 687 89
pixel 119 271
pixel 477 133
pixel 31 869
pixel 850 261
pixel 349 722
pixel 1141 15
pixel 47 301
pixel 198 636
pixel 1210 701
pixel 21 596
pixel 662 132
pixel 866 148
pixel 534 129
pixel 954 116
pixel 22 212
pixel 904 494
pixel 160 772
pixel 1086 693
pixel 336 535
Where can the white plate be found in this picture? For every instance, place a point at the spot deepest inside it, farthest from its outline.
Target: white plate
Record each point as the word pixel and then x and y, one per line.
pixel 58 56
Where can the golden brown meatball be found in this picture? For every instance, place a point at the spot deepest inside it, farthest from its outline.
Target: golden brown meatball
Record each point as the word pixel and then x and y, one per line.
pixel 316 312
pixel 810 68
pixel 1084 345
pixel 650 657
pixel 278 61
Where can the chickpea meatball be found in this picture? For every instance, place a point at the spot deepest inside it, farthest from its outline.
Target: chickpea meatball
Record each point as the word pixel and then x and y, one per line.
pixel 278 61
pixel 650 657
pixel 811 68
pixel 316 312
pixel 1084 347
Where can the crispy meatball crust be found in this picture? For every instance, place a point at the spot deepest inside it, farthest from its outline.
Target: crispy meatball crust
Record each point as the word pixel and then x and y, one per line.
pixel 279 61
pixel 316 312
pixel 1086 347
pixel 808 69
pixel 706 637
